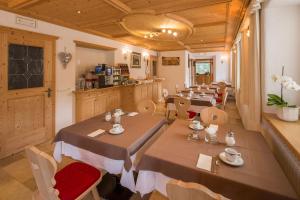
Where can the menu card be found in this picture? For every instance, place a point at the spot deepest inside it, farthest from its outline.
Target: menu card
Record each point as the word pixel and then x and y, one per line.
pixel 204 162
pixel 95 133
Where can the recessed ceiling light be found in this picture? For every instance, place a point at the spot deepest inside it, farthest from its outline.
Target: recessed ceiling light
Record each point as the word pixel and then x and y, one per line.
pixel 145 36
pixel 164 30
pixel 169 31
pixel 151 36
pixel 78 11
pixel 175 34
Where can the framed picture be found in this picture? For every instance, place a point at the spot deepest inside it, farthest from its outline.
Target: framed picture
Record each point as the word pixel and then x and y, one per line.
pixel 170 60
pixel 135 60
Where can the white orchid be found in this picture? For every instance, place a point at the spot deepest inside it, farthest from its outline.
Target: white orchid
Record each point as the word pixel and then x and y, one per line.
pixel 287 82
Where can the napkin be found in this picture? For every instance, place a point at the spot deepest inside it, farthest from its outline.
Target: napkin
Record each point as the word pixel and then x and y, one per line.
pixel 132 114
pixel 95 133
pixel 204 162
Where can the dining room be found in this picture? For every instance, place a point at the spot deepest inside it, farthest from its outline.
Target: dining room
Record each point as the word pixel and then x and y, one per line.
pixel 149 99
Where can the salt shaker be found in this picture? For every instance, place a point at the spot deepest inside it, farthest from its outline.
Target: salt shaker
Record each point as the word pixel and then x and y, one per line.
pixel 108 116
pixel 229 139
pixel 117 118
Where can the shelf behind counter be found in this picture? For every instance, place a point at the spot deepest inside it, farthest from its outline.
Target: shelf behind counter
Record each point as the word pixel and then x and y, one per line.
pixel 92 102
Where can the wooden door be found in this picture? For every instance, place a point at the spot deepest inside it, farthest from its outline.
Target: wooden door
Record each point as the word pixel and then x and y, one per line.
pixel 26 89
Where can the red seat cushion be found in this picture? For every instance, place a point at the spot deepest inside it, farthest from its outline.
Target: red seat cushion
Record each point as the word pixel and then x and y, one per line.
pixel 219 100
pixel 75 179
pixel 192 114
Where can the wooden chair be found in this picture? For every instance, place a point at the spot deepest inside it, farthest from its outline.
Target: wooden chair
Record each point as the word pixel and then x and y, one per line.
pixel 224 100
pixel 170 107
pixel 178 190
pixel 74 181
pixel 213 115
pixel 182 107
pixel 146 106
pixel 222 85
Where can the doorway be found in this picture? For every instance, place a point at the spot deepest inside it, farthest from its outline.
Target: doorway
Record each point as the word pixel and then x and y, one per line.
pixel 27 89
pixel 202 71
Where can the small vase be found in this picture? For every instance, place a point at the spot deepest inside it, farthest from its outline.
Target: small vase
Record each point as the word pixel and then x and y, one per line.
pixel 288 114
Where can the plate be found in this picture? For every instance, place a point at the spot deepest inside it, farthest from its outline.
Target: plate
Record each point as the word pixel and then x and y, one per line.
pixel 238 162
pixel 114 132
pixel 197 129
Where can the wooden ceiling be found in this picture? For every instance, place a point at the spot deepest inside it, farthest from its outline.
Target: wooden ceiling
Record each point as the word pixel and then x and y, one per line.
pixel 202 25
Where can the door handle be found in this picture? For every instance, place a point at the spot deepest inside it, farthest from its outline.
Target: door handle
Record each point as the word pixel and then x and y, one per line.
pixel 49 92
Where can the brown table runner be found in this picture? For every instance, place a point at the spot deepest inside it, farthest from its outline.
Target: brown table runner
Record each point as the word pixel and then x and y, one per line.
pixel 259 178
pixel 138 130
pixel 201 101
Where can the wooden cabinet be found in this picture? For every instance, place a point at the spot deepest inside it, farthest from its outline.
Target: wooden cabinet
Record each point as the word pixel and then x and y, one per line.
pixel 95 102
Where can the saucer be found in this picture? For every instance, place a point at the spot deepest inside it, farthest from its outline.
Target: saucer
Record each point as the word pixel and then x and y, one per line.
pixel 197 129
pixel 238 162
pixel 116 132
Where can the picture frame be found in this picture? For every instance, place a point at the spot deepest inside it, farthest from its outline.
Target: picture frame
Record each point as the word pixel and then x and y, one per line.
pixel 170 60
pixel 135 60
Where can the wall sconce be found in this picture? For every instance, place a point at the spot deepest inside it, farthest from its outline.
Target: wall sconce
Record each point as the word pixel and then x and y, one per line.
pixel 145 56
pixel 126 53
pixel 248 32
pixel 223 58
pixel 65 57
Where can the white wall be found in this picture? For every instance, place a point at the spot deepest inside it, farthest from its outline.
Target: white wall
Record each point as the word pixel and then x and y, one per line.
pixel 173 74
pixel 280 45
pixel 221 70
pixel 65 77
pixel 87 59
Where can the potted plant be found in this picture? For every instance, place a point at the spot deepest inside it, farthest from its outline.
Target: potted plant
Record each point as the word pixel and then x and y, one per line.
pixel 285 111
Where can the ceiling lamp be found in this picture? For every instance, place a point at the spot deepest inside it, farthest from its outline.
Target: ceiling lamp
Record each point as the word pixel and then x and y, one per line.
pixel 174 34
pixel 170 31
pixel 164 30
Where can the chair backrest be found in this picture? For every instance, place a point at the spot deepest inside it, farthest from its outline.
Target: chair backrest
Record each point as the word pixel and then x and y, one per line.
pixel 165 93
pixel 146 106
pixel 43 168
pixel 178 190
pixel 222 85
pixel 213 115
pixel 224 98
pixel 182 106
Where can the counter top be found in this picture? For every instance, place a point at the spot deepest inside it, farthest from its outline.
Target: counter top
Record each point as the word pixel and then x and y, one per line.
pixel 288 131
pixel 113 87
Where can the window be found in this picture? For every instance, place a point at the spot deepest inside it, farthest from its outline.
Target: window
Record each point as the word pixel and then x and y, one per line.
pixel 203 67
pixel 25 67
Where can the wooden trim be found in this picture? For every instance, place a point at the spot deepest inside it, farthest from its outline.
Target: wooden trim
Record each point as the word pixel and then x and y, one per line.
pixel 17 4
pixel 119 5
pixel 9 29
pixel 210 24
pixel 93 46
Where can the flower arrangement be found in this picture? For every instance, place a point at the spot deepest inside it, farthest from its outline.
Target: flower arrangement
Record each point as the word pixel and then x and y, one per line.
pixel 285 111
pixel 286 83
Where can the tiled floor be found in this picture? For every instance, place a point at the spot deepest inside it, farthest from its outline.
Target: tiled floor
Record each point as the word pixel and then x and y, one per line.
pixel 16 180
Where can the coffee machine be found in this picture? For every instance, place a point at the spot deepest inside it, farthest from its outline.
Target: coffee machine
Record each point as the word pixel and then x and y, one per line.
pixel 105 75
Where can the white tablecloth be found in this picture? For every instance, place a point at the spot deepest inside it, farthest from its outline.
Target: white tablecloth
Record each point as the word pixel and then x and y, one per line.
pixel 148 181
pixel 98 161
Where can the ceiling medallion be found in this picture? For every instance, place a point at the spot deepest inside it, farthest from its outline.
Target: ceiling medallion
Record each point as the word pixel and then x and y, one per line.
pixel 158 27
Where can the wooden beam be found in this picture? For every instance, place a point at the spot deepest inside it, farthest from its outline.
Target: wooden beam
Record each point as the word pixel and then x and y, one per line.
pixel 119 5
pixel 93 46
pixel 17 4
pixel 210 24
pixel 121 35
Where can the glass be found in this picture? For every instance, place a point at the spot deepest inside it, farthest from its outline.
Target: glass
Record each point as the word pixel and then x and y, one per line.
pixel 25 67
pixel 117 118
pixel 195 135
pixel 211 138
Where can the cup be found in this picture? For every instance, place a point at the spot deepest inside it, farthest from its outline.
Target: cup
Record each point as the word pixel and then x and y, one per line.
pixel 117 127
pixel 231 154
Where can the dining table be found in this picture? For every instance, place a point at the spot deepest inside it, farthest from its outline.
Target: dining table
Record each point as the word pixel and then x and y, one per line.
pixel 113 153
pixel 199 91
pixel 174 156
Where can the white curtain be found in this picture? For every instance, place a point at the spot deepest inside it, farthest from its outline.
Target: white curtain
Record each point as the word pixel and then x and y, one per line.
pixel 248 69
